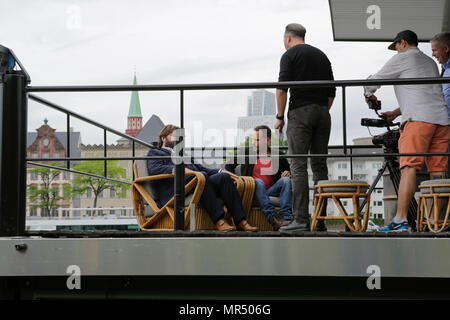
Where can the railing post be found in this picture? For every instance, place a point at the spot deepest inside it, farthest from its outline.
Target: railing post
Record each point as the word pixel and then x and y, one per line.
pixel 179 171
pixel 133 154
pixel 105 154
pixel 351 164
pixel 344 121
pixel 68 141
pixel 13 146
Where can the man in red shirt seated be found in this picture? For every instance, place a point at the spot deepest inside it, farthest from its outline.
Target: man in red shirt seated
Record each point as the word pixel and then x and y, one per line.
pixel 272 179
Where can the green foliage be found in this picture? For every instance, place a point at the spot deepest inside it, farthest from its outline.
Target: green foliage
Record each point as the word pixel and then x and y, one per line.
pixel 45 195
pixel 247 142
pixel 378 222
pixel 274 141
pixel 82 183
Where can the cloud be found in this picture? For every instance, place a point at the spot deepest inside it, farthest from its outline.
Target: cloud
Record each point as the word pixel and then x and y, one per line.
pixel 174 41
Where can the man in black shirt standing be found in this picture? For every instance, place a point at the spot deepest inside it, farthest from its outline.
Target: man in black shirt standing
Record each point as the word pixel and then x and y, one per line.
pixel 309 122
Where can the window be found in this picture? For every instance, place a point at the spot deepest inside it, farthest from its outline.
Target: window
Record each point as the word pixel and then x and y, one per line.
pixel 342 177
pixel 380 204
pixel 359 166
pixel 34 155
pixel 112 193
pixel 344 203
pixel 342 166
pixel 88 193
pixel 100 211
pixel 34 176
pixel 112 212
pixel 45 155
pixel 123 212
pixel 44 212
pixel 100 195
pixel 66 175
pixel 88 211
pixel 66 192
pixel 376 165
pixel 33 212
pixel 56 155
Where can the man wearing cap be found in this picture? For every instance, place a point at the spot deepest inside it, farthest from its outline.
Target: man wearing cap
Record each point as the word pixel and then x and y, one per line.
pixel 425 123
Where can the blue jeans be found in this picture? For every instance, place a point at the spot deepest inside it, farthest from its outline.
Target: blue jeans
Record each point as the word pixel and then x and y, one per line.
pixel 283 189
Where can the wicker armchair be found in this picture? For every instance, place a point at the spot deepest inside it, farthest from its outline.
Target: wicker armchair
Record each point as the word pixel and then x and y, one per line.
pixel 253 213
pixel 149 216
pixel 152 218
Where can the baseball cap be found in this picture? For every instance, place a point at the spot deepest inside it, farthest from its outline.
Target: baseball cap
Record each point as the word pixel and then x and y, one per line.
pixel 407 35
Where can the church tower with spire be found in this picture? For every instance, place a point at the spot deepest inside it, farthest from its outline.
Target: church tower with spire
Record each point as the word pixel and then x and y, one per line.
pixel 134 113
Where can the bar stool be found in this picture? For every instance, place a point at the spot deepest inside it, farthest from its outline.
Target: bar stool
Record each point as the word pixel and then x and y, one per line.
pixel 432 192
pixel 337 190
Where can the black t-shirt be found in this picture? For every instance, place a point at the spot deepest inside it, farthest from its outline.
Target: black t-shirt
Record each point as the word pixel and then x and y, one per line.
pixel 304 63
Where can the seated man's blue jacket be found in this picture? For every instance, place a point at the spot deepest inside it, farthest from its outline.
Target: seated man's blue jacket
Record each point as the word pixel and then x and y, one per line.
pixel 165 187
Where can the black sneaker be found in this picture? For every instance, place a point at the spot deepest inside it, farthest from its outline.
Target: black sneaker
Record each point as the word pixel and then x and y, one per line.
pixel 296 226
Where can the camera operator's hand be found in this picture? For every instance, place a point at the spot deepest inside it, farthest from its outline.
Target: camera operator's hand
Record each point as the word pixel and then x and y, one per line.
pixel 373 102
pixel 391 115
pixel 373 97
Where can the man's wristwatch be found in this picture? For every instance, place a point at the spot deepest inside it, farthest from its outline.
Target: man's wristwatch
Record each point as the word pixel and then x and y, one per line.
pixel 279 117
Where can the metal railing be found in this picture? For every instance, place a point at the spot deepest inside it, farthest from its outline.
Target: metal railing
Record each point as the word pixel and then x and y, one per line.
pixel 14 222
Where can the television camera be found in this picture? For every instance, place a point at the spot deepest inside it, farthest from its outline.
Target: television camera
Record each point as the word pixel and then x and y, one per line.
pixel 389 139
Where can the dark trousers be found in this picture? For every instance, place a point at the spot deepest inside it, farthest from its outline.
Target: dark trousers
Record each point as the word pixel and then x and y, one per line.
pixel 308 131
pixel 221 185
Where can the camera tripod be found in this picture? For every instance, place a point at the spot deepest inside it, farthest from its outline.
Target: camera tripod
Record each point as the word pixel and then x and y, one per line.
pixel 391 163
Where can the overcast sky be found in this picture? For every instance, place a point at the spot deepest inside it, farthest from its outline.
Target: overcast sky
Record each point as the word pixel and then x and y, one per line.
pixel 173 42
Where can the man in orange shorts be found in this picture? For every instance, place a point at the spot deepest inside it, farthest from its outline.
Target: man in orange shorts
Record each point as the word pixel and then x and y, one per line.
pixel 424 125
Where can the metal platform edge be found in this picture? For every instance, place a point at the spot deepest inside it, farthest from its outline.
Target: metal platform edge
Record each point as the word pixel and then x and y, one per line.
pixel 227 256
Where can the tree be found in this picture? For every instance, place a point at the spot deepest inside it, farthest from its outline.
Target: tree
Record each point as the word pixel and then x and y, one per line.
pixel 45 195
pixel 82 183
pixel 274 141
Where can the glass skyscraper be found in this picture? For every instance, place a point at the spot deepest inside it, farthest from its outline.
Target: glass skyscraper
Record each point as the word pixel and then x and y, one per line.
pixel 261 103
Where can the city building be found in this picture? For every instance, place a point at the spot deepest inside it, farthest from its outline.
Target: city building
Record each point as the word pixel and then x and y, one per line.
pixel 261 110
pixel 108 202
pixel 261 103
pixel 47 143
pixel 363 169
pixel 134 121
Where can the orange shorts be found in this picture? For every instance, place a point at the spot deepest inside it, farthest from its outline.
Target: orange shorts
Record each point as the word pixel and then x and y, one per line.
pixel 418 137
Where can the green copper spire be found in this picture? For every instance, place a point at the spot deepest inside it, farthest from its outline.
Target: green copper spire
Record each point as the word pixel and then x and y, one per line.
pixel 135 105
